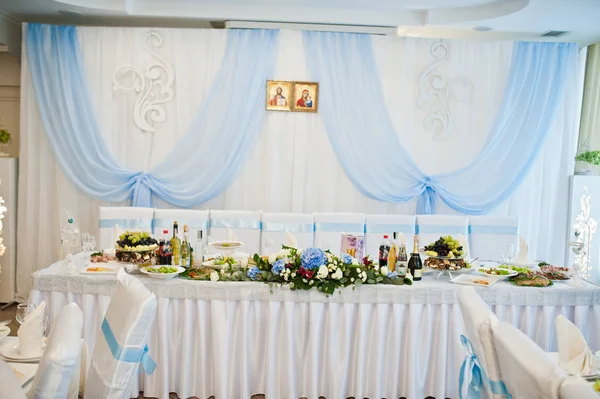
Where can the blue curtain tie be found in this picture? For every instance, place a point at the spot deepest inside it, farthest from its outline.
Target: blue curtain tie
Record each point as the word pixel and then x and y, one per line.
pixel 340 227
pixel 236 224
pixel 288 227
pixel 127 355
pixel 500 230
pixel 125 223
pixel 142 194
pixel 476 374
pixel 427 202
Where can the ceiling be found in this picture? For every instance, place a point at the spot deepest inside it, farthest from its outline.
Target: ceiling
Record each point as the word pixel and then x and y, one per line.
pixel 508 19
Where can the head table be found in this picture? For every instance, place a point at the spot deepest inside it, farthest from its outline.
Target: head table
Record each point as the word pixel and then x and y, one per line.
pixel 235 339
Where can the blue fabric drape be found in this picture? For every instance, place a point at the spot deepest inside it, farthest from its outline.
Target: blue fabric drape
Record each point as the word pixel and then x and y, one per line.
pixel 366 144
pixel 201 165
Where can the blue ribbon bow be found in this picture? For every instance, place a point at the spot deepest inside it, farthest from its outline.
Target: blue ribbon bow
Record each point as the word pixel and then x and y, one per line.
pixel 128 355
pixel 478 377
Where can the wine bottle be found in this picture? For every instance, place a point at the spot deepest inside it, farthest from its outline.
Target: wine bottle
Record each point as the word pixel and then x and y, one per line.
pixel 415 266
pixel 175 245
pixel 393 255
pixel 185 248
pixel 384 251
pixel 199 250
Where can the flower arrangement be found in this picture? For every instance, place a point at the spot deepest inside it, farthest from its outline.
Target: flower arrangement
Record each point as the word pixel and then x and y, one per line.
pixel 591 157
pixel 4 136
pixel 312 268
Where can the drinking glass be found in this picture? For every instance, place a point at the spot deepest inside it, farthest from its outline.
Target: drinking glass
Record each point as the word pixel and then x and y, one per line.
pixel 88 242
pixel 23 310
pixel 268 245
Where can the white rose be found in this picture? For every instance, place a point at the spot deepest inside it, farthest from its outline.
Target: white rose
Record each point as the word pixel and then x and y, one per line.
pixel 338 274
pixel 311 282
pixel 214 276
pixel 352 280
pixel 328 256
pixel 244 262
pixel 376 266
pixel 272 258
pixel 384 271
pixel 293 274
pixel 285 277
pixel 358 270
pixel 355 262
pixel 323 272
pixel 364 276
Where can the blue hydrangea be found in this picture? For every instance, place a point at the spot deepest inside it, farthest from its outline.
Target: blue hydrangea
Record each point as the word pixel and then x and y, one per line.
pixel 347 259
pixel 392 275
pixel 278 266
pixel 253 272
pixel 312 258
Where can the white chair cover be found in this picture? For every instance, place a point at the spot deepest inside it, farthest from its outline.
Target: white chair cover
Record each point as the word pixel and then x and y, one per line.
pixel 330 226
pixel 376 226
pixel 10 387
pixel 526 369
pixel 576 388
pixel 479 320
pixel 245 224
pixel 126 218
pixel 59 367
pixel 489 236
pixel 431 227
pixel 121 344
pixel 196 220
pixel 275 226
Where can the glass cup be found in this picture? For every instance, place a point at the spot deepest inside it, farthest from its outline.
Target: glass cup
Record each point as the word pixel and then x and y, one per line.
pixel 23 310
pixel 88 242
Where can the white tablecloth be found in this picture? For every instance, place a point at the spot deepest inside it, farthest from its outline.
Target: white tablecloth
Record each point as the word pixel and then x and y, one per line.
pixel 232 340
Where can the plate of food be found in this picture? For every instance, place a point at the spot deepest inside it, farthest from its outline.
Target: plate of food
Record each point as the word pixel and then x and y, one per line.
pixel 101 269
pixel 445 247
pixel 469 279
pixel 554 273
pixel 102 257
pixel 530 279
pixel 227 247
pixel 497 273
pixel 162 272
pixel 516 268
pixel 221 262
pixel 201 273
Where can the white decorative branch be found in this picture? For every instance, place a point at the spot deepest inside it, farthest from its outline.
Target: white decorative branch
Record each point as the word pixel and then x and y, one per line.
pixel 584 228
pixel 436 92
pixel 152 86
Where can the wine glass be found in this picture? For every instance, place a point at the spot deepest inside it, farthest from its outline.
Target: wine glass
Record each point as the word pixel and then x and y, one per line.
pixel 268 245
pixel 23 310
pixel 88 242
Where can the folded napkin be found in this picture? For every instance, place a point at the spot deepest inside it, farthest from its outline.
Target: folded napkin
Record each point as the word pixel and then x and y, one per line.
pixel 573 353
pixel 292 241
pixel 231 236
pixel 523 255
pixel 31 332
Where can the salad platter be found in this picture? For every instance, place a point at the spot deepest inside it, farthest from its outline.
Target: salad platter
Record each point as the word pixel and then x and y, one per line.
pixel 497 273
pixel 162 272
pixel 221 262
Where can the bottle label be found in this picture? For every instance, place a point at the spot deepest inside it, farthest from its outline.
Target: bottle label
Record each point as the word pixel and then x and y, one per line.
pixel 418 273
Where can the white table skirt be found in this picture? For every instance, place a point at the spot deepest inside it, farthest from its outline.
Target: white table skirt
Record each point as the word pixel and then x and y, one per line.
pixel 232 340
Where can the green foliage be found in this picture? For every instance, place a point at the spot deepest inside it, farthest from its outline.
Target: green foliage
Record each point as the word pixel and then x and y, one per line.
pixel 4 136
pixel 591 157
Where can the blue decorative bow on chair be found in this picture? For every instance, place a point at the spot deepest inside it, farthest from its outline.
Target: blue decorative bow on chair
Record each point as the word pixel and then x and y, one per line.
pixel 477 375
pixel 128 355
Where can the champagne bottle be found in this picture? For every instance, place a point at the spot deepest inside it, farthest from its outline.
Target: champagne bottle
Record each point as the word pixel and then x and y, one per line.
pixel 415 266
pixel 185 248
pixel 393 254
pixel 175 245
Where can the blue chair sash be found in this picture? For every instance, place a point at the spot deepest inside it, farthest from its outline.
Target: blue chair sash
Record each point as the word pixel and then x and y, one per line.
pixel 236 224
pixel 288 227
pixel 340 227
pixel 500 230
pixel 128 355
pixel 126 223
pixel 475 374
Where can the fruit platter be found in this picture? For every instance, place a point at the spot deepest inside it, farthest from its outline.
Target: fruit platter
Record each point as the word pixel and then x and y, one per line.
pixel 136 247
pixel 445 254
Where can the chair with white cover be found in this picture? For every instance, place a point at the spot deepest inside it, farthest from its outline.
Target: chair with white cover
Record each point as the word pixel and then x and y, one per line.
pixel 57 375
pixel 275 227
pixel 431 227
pixel 527 371
pixel 121 344
pixel 196 220
pixel 11 387
pixel 478 342
pixel 490 236
pixel 245 225
pixel 115 219
pixel 376 226
pixel 576 388
pixel 330 226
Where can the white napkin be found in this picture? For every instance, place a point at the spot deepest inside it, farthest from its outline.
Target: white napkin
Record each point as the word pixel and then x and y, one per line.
pixel 231 236
pixel 291 239
pixel 31 332
pixel 573 353
pixel 523 255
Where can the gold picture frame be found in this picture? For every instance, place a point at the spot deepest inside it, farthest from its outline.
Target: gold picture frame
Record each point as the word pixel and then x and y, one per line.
pixel 279 95
pixel 305 97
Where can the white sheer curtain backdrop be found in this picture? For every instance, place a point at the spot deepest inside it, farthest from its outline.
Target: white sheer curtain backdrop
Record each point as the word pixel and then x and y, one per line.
pixel 293 168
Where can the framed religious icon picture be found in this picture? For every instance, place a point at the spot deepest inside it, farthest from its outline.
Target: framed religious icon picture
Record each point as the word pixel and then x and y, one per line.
pixel 306 97
pixel 279 95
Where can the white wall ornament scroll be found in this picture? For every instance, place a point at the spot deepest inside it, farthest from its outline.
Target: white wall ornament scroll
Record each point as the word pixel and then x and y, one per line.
pixel 153 86
pixel 584 228
pixel 436 92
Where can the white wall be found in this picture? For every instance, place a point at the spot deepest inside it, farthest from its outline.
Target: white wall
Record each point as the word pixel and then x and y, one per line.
pixel 10 82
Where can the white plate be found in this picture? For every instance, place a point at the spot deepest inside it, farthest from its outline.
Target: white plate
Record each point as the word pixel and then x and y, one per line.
pixel 556 358
pixel 4 331
pixel 211 264
pixel 496 276
pixel 162 276
pixel 226 245
pixel 467 279
pixel 10 351
pixel 113 266
pixel 24 371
